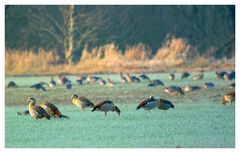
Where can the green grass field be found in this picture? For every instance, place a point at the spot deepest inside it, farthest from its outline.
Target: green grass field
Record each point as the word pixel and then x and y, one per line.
pixel 198 120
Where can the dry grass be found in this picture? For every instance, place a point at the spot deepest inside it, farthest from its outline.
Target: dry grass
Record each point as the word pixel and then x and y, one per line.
pixel 175 54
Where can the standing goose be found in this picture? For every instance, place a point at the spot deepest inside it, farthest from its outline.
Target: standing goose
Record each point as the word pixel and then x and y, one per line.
pixel 229 97
pixel 92 79
pixel 148 104
pixel 198 76
pixel 144 77
pixel 52 110
pixel 185 75
pixel 164 104
pixel 122 78
pixel 52 82
pixel 102 82
pixel 106 106
pixel 232 86
pixel 171 76
pixel 174 90
pixel 36 112
pixel 81 102
pixel 110 83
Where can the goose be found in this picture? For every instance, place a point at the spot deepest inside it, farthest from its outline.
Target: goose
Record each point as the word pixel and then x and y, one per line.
pixel 144 77
pixel 26 112
pixel 92 79
pixel 229 97
pixel 39 86
pixel 68 85
pixel 80 79
pixel 102 82
pixel 62 79
pixel 52 110
pixel 232 86
pixel 148 104
pixel 198 76
pixel 81 102
pixel 110 83
pixel 185 75
pixel 174 90
pixel 131 79
pixel 156 82
pixel 189 88
pixel 52 82
pixel 229 76
pixel 122 78
pixel 171 76
pixel 164 104
pixel 11 84
pixel 36 112
pixel 220 75
pixel 209 85
pixel 106 106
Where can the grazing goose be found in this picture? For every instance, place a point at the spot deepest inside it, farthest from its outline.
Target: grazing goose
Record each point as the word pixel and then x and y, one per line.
pixel 68 85
pixel 189 88
pixel 80 79
pixel 220 75
pixel 52 110
pixel 131 79
pixel 185 75
pixel 106 106
pixel 209 85
pixel 110 83
pixel 81 102
pixel 144 77
pixel 174 90
pixel 52 82
pixel 26 112
pixel 154 83
pixel 62 79
pixel 122 78
pixel 11 84
pixel 36 112
pixel 102 82
pixel 39 86
pixel 232 86
pixel 229 97
pixel 198 76
pixel 148 104
pixel 92 79
pixel 164 104
pixel 171 76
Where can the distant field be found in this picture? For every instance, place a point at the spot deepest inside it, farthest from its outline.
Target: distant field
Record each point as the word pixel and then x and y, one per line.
pixel 198 120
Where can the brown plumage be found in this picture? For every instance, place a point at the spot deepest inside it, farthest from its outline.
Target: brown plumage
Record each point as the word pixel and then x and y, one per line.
pixel 106 106
pixel 36 112
pixel 229 97
pixel 198 76
pixel 81 102
pixel 52 110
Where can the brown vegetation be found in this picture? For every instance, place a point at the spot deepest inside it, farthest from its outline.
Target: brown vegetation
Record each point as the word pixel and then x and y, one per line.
pixel 175 54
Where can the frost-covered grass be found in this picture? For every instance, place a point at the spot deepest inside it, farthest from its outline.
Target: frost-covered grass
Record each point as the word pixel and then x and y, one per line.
pixel 198 120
